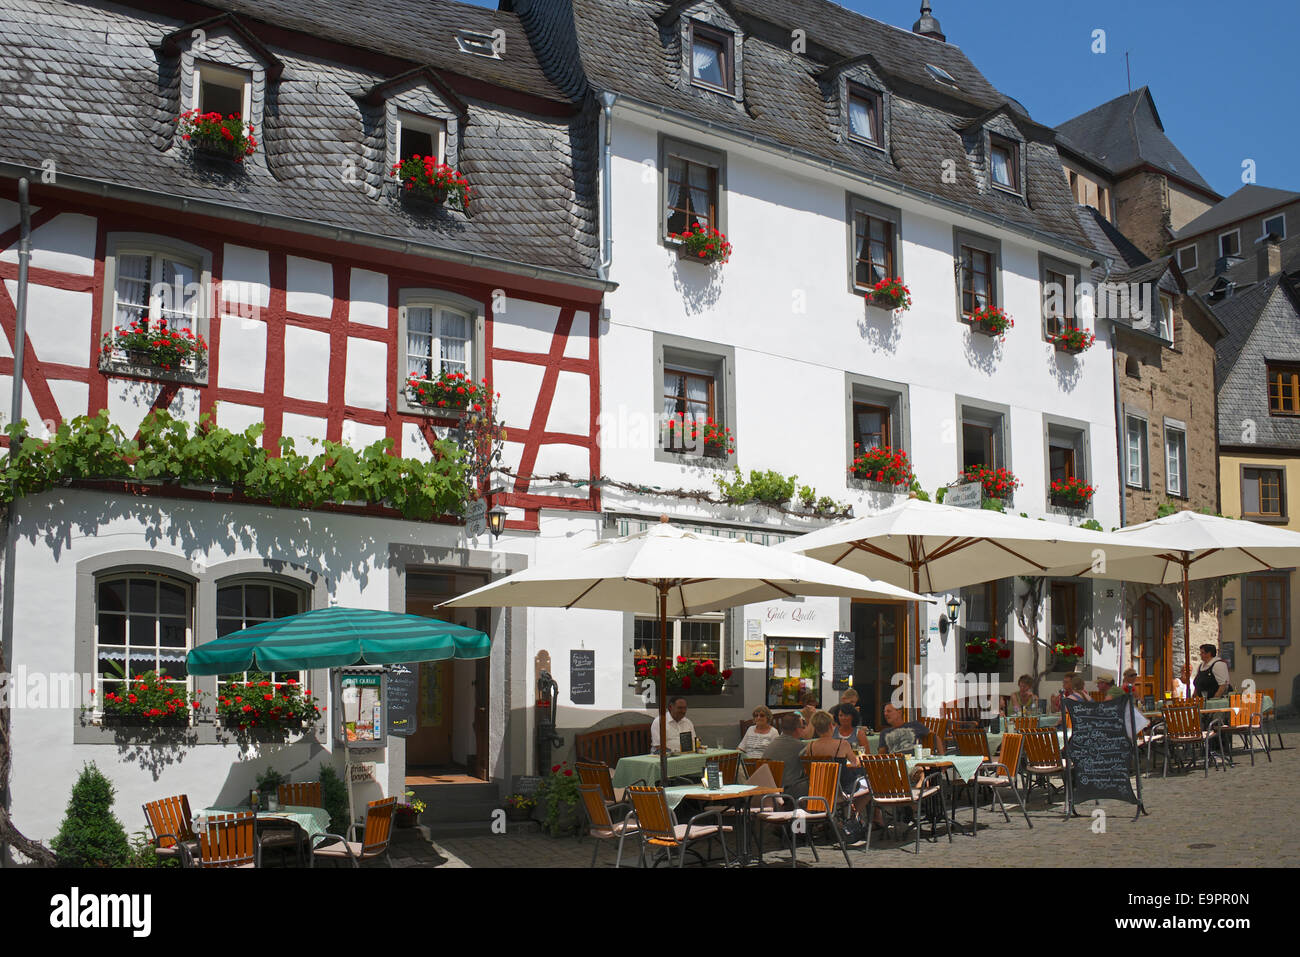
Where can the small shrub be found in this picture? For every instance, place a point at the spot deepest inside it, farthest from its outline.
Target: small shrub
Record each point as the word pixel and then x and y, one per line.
pixel 334 796
pixel 90 836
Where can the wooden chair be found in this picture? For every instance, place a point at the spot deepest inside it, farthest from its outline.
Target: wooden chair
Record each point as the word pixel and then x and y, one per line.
pixel 961 717
pixel 1144 686
pixel 597 774
pixel 1043 759
pixel 775 768
pixel 1098 696
pixel 172 834
pixel 972 743
pixel 938 737
pixel 729 765
pixel 997 776
pixel 603 827
pixel 891 788
pixel 1183 730
pixel 1246 720
pixel 659 829
pixel 796 815
pixel 1023 724
pixel 300 794
pixel 228 840
pixel 374 843
pixel 1268 719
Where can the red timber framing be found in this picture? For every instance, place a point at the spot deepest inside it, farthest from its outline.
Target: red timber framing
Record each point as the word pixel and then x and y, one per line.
pixel 402 271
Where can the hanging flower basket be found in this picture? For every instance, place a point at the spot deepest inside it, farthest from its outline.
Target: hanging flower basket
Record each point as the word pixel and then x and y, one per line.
pixel 1072 493
pixel 425 180
pixel 1074 341
pixel 153 343
pixel 227 137
pixel 449 392
pixel 991 321
pixel 998 483
pixel 890 294
pixel 882 464
pixel 702 245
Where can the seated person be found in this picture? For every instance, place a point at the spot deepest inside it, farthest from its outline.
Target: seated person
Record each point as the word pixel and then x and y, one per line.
pixel 678 723
pixel 1130 682
pixel 808 707
pixel 848 698
pixel 848 726
pixel 1106 687
pixel 786 749
pixel 1066 686
pixel 898 736
pixel 1022 700
pixel 826 745
pixel 760 734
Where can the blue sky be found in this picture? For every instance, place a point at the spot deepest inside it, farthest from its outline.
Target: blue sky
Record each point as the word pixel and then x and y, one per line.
pixel 1220 72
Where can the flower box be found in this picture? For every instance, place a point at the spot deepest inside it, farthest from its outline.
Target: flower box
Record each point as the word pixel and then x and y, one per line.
pixel 997 483
pixel 281 706
pixel 223 137
pixel 687 677
pixel 983 654
pixel 990 321
pixel 151 347
pixel 452 394
pixel 885 465
pixel 690 436
pixel 1071 493
pixel 704 246
pixel 890 294
pixel 427 182
pixel 1074 341
pixel 126 721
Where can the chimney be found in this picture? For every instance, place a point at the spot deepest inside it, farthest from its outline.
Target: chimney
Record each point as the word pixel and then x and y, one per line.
pixel 928 26
pixel 1269 257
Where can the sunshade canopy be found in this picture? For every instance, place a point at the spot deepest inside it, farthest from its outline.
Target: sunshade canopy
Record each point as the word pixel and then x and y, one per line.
pixel 336 638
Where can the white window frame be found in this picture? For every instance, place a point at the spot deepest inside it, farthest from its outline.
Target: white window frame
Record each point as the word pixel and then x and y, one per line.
pixel 473 42
pixel 127 575
pixel 439 301
pixel 1143 452
pixel 421 124
pixel 1195 260
pixel 1165 326
pixel 866 94
pixel 1264 230
pixel 223 76
pixel 1177 488
pixel 675 640
pixel 304 604
pixel 706 358
pixel 1231 232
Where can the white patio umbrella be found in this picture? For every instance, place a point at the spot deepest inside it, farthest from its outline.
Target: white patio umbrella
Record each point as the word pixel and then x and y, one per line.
pixel 1189 545
pixel 673 572
pixel 930 547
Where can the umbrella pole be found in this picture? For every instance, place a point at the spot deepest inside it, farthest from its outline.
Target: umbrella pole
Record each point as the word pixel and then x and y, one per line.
pixel 663 686
pixel 1187 629
pixel 916 605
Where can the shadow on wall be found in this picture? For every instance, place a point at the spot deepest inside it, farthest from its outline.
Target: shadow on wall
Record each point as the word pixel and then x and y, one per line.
pixel 699 286
pixel 880 329
pixel 1067 370
pixel 294 761
pixel 983 352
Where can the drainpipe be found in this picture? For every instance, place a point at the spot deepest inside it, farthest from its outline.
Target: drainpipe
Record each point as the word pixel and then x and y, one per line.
pixel 1120 453
pixel 19 347
pixel 607 100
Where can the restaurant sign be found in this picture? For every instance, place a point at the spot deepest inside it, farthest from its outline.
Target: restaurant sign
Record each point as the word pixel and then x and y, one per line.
pixel 969 495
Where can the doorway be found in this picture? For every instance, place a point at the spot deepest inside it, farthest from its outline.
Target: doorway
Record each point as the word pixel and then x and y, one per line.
pixel 1152 636
pixel 450 743
pixel 880 649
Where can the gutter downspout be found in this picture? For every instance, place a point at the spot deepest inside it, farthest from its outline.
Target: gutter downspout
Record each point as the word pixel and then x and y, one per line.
pixel 607 100
pixel 16 412
pixel 1120 452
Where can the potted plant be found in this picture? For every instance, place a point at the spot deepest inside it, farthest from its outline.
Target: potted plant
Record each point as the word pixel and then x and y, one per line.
pixel 890 294
pixel 983 654
pixel 716 439
pixel 261 703
pixel 519 807
pixel 226 136
pixel 408 812
pixel 883 464
pixel 703 245
pixel 449 392
pixel 1074 341
pixel 426 180
pixel 1071 493
pixel 558 798
pixel 152 343
pixel 149 700
pixel 991 321
pixel 998 483
pixel 1066 656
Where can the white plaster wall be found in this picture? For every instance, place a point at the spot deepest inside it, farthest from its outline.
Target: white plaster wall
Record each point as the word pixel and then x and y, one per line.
pixel 246 275
pixel 66 243
pixel 366 384
pixel 571 406
pixel 309 287
pixel 72 398
pixel 578 345
pixel 242 356
pixel 369 298
pixel 524 326
pixel 237 417
pixel 302 429
pixel 518 383
pixel 35 426
pixel 306 363
pixel 359 435
pixel 58 322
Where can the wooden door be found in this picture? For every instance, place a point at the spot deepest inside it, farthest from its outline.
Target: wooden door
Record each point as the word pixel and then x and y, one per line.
pixel 430 746
pixel 880 651
pixel 1152 635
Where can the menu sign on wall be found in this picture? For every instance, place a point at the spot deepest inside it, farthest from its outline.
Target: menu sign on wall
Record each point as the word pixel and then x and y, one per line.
pixel 582 676
pixel 403 694
pixel 1102 752
pixel 842 660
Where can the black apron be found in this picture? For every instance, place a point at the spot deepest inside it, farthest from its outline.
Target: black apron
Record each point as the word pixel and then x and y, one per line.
pixel 1205 684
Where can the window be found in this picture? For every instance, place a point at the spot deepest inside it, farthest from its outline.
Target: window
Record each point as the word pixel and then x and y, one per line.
pixel 1166 328
pixel 418 136
pixel 220 89
pixel 977 286
pixel 143 622
pixel 693 186
pixel 711 58
pixel 984 609
pixel 940 74
pixel 1187 258
pixel 1268 608
pixel 1004 163
pixel 688 393
pixel 1176 460
pixel 1054 306
pixel 1135 451
pixel 870 426
pixel 1067 454
pixel 865 116
pixel 877 415
pixel 441 332
pixel 1263 494
pixel 480 44
pixel 873 239
pixel 696 639
pixel 1069 627
pixel 983 437
pixel 1283 389
pixel 692 379
pixel 243 604
pixel 1230 243
pixel 1275 226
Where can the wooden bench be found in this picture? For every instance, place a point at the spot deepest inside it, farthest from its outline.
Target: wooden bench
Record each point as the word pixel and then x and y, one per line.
pixel 609 744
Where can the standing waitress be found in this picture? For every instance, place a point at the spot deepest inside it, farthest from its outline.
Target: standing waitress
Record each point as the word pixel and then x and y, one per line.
pixel 1211 679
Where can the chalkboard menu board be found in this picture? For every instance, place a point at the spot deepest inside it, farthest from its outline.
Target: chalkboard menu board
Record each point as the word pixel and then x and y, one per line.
pixel 582 676
pixel 1101 751
pixel 403 697
pixel 713 775
pixel 842 660
pixel 527 784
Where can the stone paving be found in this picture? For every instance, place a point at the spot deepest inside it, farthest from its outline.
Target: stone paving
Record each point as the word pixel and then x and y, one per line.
pixel 1244 817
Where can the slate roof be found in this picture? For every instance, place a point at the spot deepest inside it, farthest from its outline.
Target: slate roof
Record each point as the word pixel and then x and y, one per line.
pixel 1246 202
pixel 83 85
pixel 1246 272
pixel 1263 324
pixel 622 49
pixel 1127 132
pixel 1109 241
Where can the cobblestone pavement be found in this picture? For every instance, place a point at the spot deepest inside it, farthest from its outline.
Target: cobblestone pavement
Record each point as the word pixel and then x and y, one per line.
pixel 1244 817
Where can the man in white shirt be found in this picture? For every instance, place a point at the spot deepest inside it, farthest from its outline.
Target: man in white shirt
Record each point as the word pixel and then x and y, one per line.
pixel 678 723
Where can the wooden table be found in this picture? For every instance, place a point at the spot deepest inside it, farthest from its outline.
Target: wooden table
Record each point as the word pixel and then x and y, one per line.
pixel 646 766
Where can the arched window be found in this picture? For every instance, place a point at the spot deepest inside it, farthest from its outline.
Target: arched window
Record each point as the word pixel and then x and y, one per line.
pixel 144 621
pixel 247 602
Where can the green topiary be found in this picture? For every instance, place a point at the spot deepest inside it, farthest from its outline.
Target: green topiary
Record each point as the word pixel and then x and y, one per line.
pixel 90 835
pixel 334 796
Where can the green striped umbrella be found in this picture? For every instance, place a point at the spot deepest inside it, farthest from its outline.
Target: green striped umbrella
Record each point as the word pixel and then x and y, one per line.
pixel 336 638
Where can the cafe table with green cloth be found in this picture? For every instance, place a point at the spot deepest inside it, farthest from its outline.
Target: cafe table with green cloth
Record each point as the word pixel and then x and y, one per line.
pixel 312 821
pixel 645 767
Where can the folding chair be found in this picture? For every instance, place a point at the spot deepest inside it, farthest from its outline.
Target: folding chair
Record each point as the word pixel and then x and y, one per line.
pixel 794 815
pixel 300 794
pixel 998 776
pixel 1246 720
pixel 603 827
pixel 1183 730
pixel 659 829
pixel 1043 759
pixel 775 768
pixel 1268 718
pixel 229 840
pixel 891 788
pixel 374 843
pixel 169 822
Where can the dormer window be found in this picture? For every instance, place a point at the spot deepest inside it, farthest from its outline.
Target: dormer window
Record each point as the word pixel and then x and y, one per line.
pixel 420 136
pixel 1004 163
pixel 712 58
pixel 940 74
pixel 221 89
pixel 865 116
pixel 479 44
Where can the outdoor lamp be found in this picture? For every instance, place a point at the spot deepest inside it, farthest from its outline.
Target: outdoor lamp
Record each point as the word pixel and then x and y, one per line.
pixel 954 604
pixel 496 519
